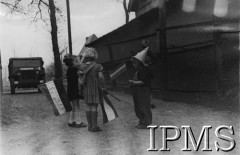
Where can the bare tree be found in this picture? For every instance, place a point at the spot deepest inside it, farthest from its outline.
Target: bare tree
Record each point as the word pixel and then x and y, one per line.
pixel 57 60
pixel 125 7
pixel 17 6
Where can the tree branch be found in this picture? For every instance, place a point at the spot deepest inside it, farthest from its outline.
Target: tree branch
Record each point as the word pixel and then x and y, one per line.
pixel 126 10
pixel 38 15
pixel 14 7
pixel 41 1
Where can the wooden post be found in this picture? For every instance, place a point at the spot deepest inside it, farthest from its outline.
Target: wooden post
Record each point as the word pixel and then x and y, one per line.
pixel 69 27
pixel 162 34
pixel 111 61
pixel 218 53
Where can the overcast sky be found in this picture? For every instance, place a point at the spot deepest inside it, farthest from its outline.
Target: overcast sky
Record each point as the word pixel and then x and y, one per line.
pixel 87 17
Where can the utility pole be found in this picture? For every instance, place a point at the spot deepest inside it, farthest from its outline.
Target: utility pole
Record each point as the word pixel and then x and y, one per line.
pixel 1 83
pixel 69 27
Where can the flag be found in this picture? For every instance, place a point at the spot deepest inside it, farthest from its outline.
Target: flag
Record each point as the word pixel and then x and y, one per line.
pixel 108 110
pixel 57 96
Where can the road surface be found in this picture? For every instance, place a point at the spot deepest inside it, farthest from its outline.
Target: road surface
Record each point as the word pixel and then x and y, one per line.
pixel 28 126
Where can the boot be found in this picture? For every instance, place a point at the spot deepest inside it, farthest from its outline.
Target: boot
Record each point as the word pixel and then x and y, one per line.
pixel 95 127
pixel 89 120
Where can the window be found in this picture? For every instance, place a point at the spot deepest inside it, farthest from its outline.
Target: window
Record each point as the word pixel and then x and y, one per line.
pixel 26 63
pixel 189 5
pixel 220 8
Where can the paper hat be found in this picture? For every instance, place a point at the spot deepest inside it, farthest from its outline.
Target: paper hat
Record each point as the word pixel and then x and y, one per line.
pixel 142 56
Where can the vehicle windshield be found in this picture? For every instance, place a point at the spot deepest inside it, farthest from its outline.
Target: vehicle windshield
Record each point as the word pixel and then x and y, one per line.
pixel 26 63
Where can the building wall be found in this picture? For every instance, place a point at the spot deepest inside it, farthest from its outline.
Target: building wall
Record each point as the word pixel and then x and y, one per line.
pixel 194 69
pixel 198 69
pixel 195 56
pixel 103 53
pixel 228 49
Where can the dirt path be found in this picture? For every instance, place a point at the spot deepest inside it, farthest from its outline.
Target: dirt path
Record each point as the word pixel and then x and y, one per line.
pixel 29 127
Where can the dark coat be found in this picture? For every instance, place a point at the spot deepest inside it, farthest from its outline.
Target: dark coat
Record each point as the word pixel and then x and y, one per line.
pixel 72 80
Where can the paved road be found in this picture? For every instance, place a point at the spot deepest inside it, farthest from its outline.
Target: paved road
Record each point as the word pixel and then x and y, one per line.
pixel 29 127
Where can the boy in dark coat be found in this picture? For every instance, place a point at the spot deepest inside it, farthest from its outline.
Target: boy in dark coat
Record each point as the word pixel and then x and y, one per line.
pixel 151 59
pixel 141 88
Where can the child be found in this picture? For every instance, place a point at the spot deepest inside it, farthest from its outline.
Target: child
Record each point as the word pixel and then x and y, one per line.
pixel 151 59
pixel 141 85
pixel 73 91
pixel 93 82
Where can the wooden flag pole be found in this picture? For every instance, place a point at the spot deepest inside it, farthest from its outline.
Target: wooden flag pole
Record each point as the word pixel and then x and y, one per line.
pixel 114 96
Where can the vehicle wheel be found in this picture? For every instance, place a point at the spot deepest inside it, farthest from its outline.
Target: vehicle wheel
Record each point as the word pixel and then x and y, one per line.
pixel 12 90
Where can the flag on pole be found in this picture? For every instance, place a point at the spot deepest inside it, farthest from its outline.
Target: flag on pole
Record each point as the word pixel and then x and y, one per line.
pixel 57 96
pixel 109 112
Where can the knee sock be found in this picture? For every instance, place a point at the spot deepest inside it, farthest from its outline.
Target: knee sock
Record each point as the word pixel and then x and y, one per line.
pixel 95 127
pixel 89 120
pixel 77 117
pixel 94 116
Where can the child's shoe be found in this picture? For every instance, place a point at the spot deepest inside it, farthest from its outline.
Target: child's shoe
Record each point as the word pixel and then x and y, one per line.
pixel 81 125
pixel 72 124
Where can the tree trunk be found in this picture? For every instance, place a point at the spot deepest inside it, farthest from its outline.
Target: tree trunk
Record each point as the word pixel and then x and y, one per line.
pixel 57 60
pixel 126 11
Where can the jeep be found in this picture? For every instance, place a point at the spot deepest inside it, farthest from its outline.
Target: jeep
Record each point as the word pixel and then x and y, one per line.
pixel 26 73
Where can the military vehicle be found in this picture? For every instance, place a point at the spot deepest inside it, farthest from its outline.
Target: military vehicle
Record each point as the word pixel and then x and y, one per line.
pixel 26 73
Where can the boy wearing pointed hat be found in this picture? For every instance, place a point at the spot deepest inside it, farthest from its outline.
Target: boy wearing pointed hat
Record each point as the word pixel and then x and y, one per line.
pixel 141 86
pixel 151 59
